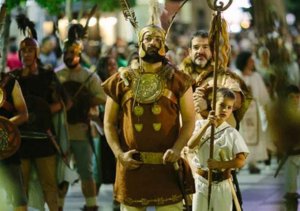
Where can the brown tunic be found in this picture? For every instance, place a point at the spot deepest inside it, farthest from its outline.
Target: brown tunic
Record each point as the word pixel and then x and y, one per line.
pixel 151 184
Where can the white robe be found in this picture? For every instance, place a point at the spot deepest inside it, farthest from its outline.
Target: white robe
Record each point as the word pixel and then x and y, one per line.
pixel 254 125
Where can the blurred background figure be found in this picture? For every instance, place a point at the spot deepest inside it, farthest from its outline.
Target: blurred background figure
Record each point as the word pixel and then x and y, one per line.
pixel 254 124
pixel 285 116
pixel 13 61
pixel 291 68
pixel 104 163
pixel 181 53
pixel 106 67
pixel 47 52
pixel 266 70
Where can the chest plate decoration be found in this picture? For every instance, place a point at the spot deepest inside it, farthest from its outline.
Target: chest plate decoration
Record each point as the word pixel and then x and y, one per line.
pixel 147 87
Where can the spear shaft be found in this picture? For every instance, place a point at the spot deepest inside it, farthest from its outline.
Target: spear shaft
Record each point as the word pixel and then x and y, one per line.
pixel 218 8
pixel 215 77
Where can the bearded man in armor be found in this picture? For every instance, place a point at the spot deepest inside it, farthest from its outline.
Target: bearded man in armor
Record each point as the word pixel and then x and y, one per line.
pixel 142 125
pixel 84 88
pixel 200 56
pixel 200 65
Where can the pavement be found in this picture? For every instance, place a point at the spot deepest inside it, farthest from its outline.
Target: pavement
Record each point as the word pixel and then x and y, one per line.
pixel 261 192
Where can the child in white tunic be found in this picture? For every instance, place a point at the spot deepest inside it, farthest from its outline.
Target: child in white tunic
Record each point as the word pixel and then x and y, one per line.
pixel 230 151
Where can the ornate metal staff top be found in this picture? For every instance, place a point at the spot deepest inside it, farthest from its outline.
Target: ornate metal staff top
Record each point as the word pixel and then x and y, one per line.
pixel 217 6
pixel 220 7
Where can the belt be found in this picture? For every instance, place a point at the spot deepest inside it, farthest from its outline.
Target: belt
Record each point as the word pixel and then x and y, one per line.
pixel 149 157
pixel 217 176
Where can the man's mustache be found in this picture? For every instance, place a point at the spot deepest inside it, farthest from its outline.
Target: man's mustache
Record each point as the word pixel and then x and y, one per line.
pixel 201 56
pixel 68 60
pixel 152 49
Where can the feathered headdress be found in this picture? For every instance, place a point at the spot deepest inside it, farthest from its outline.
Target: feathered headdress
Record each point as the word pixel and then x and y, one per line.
pixel 154 24
pixel 26 26
pixel 156 9
pixel 129 14
pixel 173 17
pixel 77 33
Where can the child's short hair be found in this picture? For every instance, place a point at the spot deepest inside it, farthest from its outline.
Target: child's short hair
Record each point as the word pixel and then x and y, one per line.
pixel 225 93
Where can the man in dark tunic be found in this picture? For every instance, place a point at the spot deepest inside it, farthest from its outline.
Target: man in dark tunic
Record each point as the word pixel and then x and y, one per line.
pixel 44 96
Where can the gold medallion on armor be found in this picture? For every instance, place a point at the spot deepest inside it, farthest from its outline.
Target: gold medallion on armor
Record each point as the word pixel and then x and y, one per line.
pixel 156 126
pixel 138 127
pixel 138 110
pixel 156 109
pixel 147 88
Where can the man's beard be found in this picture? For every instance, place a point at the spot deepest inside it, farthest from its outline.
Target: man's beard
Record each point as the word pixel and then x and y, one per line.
pixel 70 64
pixel 203 64
pixel 152 56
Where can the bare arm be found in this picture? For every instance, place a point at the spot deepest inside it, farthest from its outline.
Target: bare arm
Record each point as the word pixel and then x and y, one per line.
pixel 188 123
pixel 110 130
pixel 20 106
pixel 195 139
pixel 110 126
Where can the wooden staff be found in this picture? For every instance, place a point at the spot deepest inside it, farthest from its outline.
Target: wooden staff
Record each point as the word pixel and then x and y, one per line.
pixel 234 196
pixel 218 7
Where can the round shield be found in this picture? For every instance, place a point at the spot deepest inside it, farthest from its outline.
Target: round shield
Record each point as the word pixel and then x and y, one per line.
pixel 81 97
pixel 9 138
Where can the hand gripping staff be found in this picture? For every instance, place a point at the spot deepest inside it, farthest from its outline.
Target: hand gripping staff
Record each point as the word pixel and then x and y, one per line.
pixel 215 31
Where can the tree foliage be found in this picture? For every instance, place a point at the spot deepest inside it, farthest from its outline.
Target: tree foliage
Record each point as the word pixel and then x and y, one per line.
pixel 56 6
pixel 111 5
pixel 13 3
pixel 293 6
pixel 53 6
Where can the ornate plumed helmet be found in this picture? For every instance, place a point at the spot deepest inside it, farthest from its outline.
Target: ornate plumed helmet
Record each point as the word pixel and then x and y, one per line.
pixel 154 27
pixel 75 35
pixel 27 27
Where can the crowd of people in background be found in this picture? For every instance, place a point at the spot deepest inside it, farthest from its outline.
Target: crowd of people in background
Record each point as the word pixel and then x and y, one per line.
pixel 250 64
